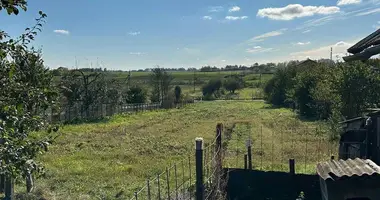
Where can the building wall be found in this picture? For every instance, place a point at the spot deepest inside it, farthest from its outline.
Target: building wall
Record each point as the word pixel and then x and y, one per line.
pixel 354 188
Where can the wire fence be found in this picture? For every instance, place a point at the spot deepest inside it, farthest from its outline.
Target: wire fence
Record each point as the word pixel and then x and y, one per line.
pixel 178 181
pixel 175 182
pixel 271 150
pixel 97 111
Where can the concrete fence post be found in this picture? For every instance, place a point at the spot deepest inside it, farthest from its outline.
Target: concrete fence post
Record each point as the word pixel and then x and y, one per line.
pixel 249 152
pixel 199 194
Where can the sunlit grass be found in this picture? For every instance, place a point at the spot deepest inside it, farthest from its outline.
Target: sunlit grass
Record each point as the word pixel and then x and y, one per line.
pixel 101 160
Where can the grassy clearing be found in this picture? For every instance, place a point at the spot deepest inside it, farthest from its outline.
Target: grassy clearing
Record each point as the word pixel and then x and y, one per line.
pixel 113 158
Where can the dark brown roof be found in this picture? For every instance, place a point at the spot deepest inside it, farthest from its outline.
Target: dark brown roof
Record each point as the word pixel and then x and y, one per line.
pixel 307 61
pixel 342 169
pixel 373 39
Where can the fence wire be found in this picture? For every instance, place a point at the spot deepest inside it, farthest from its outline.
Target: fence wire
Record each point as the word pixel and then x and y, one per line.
pixel 79 111
pixel 175 182
pixel 271 149
pixel 178 181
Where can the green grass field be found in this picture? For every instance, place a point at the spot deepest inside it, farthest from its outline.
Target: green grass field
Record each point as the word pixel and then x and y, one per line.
pixel 115 157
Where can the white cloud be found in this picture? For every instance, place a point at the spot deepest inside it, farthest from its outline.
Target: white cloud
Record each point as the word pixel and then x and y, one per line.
pixel 307 31
pixel 63 32
pixel 267 35
pixel 293 11
pixel 136 53
pixel 234 18
pixel 347 2
pixel 215 9
pixel 207 17
pixel 234 9
pixel 377 26
pixel 223 60
pixel 134 33
pixel 302 43
pixel 259 49
pixel 373 11
pixel 339 49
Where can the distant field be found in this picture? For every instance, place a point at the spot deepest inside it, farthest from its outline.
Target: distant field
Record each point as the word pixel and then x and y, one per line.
pixel 114 157
pixel 185 80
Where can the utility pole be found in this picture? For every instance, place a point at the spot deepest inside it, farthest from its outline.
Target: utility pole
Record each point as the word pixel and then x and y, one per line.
pixel 76 63
pixel 194 80
pixel 331 53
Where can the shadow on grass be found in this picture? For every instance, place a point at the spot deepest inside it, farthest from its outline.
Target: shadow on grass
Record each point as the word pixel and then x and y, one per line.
pixel 302 118
pixel 78 121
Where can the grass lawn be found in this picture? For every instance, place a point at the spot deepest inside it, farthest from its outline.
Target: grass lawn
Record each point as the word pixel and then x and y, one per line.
pixel 114 158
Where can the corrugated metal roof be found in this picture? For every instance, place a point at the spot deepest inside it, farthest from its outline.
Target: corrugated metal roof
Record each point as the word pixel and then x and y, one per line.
pixel 343 169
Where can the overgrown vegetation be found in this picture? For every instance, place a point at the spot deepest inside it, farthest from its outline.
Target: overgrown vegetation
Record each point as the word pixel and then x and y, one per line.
pixel 27 90
pixel 115 157
pixel 326 90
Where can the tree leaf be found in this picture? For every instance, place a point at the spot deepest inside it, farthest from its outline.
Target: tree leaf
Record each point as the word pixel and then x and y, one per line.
pixel 15 10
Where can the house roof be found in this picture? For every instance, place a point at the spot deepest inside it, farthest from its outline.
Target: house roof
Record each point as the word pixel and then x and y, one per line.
pixel 334 170
pixel 365 48
pixel 307 61
pixel 372 39
pixel 352 120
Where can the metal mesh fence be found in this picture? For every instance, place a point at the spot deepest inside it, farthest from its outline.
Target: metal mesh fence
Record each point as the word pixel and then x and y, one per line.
pixel 271 150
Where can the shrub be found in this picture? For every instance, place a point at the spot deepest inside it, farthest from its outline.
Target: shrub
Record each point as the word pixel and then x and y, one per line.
pixel 177 93
pixel 212 88
pixel 135 95
pixel 232 84
pixel 277 89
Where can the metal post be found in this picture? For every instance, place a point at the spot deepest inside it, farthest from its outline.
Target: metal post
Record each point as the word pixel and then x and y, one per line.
pixel 306 141
pixel 9 190
pixel 245 161
pixel 292 168
pixel 199 168
pixel 148 187
pixel 261 148
pixel 167 182
pixel 2 181
pixel 183 178
pixel 249 149
pixel 190 177
pixel 176 182
pixel 159 187
pixel 135 195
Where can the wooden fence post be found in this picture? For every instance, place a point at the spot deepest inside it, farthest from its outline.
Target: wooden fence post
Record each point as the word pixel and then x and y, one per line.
pixel 199 194
pixel 249 151
pixel 292 169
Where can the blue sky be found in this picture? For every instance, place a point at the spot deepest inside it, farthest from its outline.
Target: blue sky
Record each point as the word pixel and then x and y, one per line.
pixel 134 34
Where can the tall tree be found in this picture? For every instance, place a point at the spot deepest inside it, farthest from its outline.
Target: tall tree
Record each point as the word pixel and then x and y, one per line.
pixel 86 88
pixel 160 80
